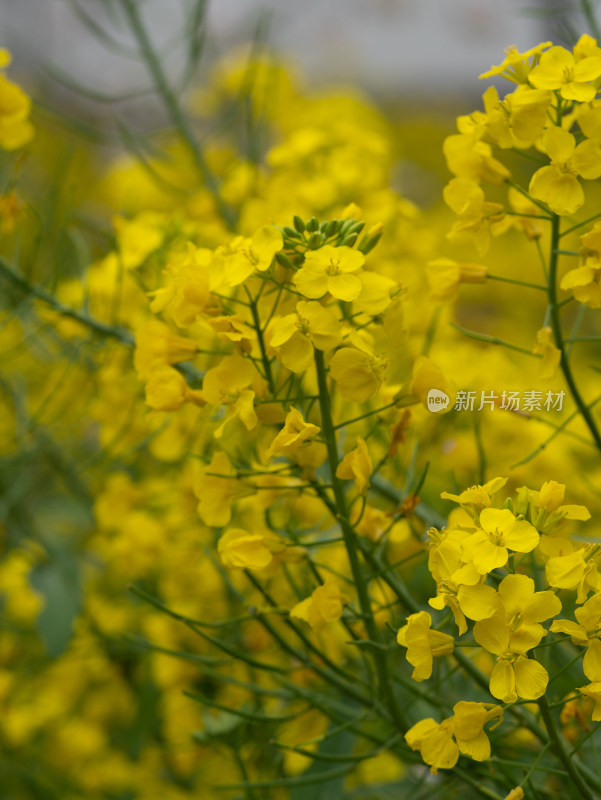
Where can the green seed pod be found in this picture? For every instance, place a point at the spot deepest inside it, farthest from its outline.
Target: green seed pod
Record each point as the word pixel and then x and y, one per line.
pixel 298 224
pixel 284 261
pixel 332 227
pixel 522 502
pixel 313 225
pixel 290 232
pixel 356 228
pixel 347 224
pixel 368 244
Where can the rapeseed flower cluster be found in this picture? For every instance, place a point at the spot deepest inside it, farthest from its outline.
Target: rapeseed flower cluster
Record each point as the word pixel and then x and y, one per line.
pixel 239 429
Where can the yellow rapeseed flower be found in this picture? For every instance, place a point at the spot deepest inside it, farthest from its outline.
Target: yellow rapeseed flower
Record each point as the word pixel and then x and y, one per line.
pixel 499 531
pixel 330 269
pixel 358 374
pixel 557 184
pixel 357 466
pixel 325 605
pixel 558 69
pixel 15 128
pixel 423 644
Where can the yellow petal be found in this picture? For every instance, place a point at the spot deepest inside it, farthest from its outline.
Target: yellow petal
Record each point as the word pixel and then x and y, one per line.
pixel 478 602
pixel 502 682
pixel 587 159
pixel 521 536
pixel 344 287
pixel 561 191
pixel 493 635
pixel 591 663
pixel 531 678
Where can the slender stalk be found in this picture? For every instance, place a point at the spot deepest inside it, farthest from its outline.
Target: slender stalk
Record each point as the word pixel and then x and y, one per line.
pixel 583 408
pixel 517 282
pixel 485 337
pixel 178 117
pixel 364 416
pixel 261 340
pixel 561 752
pixel 112 331
pixel 351 543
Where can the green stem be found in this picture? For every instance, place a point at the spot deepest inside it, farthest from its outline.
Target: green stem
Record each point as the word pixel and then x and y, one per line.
pixel 587 10
pixel 583 408
pixel 112 331
pixel 581 224
pixel 261 340
pixel 485 337
pixel 364 416
pixel 176 113
pixel 351 543
pixel 517 282
pixel 560 750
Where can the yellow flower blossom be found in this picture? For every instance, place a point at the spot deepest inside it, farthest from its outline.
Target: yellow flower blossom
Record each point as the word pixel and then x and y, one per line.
pixel 586 47
pixel 157 346
pixel 435 742
pixel 232 328
pixel 295 335
pixel 499 531
pixel 470 158
pixel 445 276
pixel 167 390
pixel 575 570
pixel 588 116
pixel 11 210
pixel 586 632
pixel 558 69
pixel 515 675
pixel 557 184
pixel 551 355
pixel 137 238
pixel 548 512
pixel 228 384
pixel 427 375
pixel 375 295
pixel 244 550
pixel 516 66
pixel 216 489
pixel 357 466
pixel 15 107
pixel 476 602
pixel 295 435
pixel 516 121
pixel 515 626
pixel 511 632
pixel 523 205
pixel 477 218
pixel 441 743
pixel 477 497
pixel 357 373
pixel 187 292
pixel 423 644
pixel 242 256
pixel 325 605
pixel 330 269
pixel 585 283
pixel 593 691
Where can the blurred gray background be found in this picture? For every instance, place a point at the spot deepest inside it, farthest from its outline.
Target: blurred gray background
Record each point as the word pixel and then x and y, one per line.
pixel 400 47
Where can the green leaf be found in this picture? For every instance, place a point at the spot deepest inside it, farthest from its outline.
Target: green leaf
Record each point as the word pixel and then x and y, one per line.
pixel 57 581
